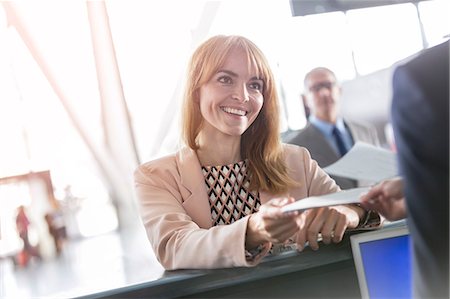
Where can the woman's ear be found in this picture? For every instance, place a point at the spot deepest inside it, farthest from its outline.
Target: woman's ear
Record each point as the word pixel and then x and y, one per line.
pixel 197 96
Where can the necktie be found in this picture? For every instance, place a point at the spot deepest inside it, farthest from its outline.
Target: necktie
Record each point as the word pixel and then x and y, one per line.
pixel 339 141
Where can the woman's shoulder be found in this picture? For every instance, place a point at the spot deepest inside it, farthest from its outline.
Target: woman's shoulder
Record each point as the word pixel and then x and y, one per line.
pixel 294 150
pixel 169 167
pixel 163 167
pixel 296 156
pixel 163 162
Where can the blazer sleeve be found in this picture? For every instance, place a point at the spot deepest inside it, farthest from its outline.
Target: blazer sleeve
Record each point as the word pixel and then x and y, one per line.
pixel 178 242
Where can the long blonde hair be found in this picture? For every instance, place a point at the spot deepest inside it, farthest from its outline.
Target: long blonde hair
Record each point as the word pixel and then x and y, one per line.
pixel 260 143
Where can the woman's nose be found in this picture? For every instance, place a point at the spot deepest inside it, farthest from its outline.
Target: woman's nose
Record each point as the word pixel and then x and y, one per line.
pixel 241 93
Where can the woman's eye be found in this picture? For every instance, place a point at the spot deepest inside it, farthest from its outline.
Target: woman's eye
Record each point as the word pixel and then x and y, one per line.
pixel 225 79
pixel 256 86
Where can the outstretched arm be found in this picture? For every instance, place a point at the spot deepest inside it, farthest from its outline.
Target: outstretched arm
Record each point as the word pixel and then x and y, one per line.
pixel 386 198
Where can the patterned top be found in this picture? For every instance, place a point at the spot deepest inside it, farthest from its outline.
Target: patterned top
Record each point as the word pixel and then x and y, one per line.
pixel 228 193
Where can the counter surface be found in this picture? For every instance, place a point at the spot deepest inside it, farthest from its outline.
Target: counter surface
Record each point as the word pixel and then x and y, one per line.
pixel 328 272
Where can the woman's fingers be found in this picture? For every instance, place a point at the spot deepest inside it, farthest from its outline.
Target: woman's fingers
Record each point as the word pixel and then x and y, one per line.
pixel 339 229
pixel 316 227
pixel 328 227
pixel 281 233
pixel 275 225
pixel 331 223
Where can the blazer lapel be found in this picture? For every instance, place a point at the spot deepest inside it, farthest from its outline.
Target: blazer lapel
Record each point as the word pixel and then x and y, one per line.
pixel 351 131
pixel 321 150
pixel 195 201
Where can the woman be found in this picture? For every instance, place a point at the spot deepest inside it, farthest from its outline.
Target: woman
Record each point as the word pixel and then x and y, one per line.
pixel 216 203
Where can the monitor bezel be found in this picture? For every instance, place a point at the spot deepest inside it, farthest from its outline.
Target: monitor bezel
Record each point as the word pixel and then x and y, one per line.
pixel 356 240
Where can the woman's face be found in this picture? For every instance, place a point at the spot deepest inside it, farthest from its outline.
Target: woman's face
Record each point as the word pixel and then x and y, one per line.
pixel 231 100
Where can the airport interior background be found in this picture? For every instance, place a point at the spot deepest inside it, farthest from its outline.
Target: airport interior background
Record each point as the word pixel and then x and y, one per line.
pixel 91 89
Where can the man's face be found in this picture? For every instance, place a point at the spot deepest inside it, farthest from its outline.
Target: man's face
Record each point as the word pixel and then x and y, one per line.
pixel 322 93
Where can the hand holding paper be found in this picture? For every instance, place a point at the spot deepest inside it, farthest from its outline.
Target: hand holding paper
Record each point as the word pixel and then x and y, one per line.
pixel 362 162
pixel 333 199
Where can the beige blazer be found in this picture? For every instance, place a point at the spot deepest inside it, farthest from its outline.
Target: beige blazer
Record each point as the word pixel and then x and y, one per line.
pixel 176 212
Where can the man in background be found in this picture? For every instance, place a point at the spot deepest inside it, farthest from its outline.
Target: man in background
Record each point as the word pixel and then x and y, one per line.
pixel 327 135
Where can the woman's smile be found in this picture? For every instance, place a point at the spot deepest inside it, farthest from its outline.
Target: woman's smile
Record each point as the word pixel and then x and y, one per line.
pixel 234 111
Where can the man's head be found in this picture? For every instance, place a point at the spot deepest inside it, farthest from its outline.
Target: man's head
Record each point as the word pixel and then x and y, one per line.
pixel 322 94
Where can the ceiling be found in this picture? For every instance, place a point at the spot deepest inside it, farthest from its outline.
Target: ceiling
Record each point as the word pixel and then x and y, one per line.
pixel 308 7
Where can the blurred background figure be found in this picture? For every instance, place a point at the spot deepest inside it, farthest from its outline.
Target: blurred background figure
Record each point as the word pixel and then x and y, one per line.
pixel 28 251
pixel 56 228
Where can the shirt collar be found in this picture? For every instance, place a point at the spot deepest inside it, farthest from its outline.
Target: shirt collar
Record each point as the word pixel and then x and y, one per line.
pixel 326 127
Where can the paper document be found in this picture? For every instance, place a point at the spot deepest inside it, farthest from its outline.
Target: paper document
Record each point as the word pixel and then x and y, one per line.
pixel 365 162
pixel 332 199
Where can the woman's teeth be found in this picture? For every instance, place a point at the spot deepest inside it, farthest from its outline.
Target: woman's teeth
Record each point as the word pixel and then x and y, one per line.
pixel 234 111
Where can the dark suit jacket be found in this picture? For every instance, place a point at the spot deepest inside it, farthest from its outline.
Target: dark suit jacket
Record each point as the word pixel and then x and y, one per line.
pixel 321 151
pixel 420 114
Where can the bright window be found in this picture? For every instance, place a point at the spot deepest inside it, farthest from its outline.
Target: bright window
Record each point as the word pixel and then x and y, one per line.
pixel 383 35
pixel 435 16
pixel 312 41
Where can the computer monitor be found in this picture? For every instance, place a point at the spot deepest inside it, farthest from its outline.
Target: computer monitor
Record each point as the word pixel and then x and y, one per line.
pixel 383 262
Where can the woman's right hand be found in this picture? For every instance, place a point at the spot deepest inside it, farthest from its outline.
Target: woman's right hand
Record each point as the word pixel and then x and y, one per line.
pixel 270 224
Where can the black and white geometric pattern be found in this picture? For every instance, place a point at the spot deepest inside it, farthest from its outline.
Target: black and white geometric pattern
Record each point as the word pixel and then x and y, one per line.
pixel 228 193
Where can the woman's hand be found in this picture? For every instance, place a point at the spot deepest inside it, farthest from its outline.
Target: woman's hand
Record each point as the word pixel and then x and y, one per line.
pixel 270 224
pixel 386 198
pixel 330 222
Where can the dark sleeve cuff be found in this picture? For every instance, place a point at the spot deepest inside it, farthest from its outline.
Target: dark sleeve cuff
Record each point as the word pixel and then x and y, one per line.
pixel 370 220
pixel 252 253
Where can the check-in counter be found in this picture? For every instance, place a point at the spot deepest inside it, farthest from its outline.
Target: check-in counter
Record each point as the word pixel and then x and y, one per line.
pixel 326 273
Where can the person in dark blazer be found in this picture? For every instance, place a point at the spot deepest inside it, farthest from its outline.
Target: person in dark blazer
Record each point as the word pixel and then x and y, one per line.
pixel 420 116
pixel 322 95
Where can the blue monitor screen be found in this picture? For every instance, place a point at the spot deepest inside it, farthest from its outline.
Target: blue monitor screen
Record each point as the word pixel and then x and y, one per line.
pixel 387 267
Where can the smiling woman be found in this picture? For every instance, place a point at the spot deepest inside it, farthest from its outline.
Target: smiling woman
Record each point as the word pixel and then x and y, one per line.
pixel 80 79
pixel 233 73
pixel 233 148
